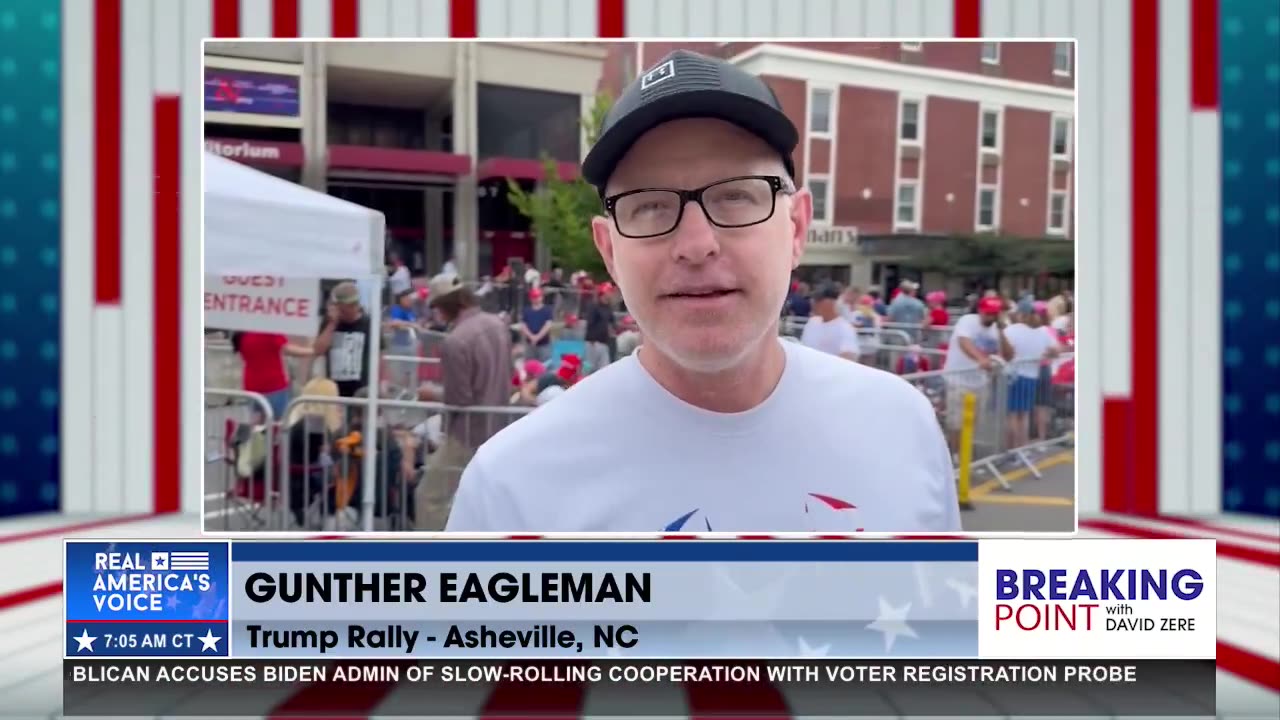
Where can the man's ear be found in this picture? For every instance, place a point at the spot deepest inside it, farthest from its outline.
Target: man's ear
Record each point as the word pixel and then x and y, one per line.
pixel 602 235
pixel 801 216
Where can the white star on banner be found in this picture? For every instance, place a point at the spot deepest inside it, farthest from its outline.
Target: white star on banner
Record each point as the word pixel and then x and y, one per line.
pixel 922 583
pixel 966 591
pixel 84 640
pixel 209 641
pixel 807 651
pixel 892 622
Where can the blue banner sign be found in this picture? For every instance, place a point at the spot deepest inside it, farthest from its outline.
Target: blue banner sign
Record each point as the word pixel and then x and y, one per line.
pixel 251 93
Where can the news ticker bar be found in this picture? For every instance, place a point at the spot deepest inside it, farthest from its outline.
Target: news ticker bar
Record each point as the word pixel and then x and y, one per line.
pixel 651 688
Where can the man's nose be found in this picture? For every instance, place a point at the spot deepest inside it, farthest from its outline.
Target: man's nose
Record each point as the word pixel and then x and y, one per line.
pixel 694 239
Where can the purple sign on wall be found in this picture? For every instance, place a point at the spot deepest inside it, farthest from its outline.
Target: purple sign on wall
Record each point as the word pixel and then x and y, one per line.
pixel 251 93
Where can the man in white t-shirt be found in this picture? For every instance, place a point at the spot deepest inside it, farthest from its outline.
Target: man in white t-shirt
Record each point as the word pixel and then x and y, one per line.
pixel 727 428
pixel 977 345
pixel 1031 346
pixel 826 330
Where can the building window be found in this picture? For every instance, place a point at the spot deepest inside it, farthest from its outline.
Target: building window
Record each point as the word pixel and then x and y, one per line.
pixel 991 53
pixel 1058 211
pixel 1062 58
pixel 820 111
pixel 907 205
pixel 912 46
pixel 528 124
pixel 819 187
pixel 986 207
pixel 909 128
pixel 1061 137
pixel 991 130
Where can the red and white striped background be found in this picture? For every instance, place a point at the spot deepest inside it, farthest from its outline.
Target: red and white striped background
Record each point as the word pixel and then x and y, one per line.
pixel 131 260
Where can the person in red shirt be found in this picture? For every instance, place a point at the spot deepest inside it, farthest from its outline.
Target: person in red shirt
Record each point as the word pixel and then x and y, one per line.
pixel 264 370
pixel 937 312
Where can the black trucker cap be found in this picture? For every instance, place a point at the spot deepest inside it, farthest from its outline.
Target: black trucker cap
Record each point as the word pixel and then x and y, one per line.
pixel 686 84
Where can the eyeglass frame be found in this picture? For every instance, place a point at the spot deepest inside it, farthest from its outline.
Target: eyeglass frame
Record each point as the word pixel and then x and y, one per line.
pixel 776 183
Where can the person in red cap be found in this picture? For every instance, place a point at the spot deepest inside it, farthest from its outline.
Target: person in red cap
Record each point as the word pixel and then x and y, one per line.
pixel 535 326
pixel 976 348
pixel 703 225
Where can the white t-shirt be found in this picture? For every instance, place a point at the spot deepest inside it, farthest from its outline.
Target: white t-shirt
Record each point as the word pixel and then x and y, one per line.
pixel 400 281
pixel 837 447
pixel 1029 346
pixel 986 338
pixel 834 337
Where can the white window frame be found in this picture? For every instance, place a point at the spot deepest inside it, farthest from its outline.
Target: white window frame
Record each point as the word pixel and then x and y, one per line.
pixel 814 88
pixel 995 207
pixel 827 197
pixel 1066 212
pixel 898 223
pixel 903 101
pixel 1070 47
pixel 1053 133
pixel 987 60
pixel 982 114
pixel 913 46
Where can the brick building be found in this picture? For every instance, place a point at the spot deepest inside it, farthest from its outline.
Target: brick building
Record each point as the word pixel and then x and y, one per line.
pixel 908 145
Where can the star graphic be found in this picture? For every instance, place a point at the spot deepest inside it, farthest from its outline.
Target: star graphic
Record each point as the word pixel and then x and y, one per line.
pixel 892 622
pixel 172 602
pixel 807 651
pixel 966 591
pixel 922 583
pixel 208 641
pixel 84 640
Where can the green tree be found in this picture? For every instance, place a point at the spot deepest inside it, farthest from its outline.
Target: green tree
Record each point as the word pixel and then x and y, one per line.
pixel 993 256
pixel 560 211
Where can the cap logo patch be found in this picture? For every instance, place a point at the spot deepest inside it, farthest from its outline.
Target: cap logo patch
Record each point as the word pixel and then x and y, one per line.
pixel 663 72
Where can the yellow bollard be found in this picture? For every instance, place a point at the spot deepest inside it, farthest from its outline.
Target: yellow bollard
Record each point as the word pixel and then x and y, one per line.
pixel 966 451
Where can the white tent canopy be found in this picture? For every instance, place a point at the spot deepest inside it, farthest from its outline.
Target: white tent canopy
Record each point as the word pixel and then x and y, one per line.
pixel 256 224
pixel 259 224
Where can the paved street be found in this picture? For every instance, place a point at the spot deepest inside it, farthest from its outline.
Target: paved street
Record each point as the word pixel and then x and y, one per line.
pixel 1032 504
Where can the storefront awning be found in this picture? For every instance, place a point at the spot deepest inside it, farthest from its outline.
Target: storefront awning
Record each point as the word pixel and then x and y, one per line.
pixel 426 162
pixel 521 169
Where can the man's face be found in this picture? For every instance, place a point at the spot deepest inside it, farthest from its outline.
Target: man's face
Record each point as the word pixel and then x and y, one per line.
pixel 704 295
pixel 349 312
pixel 988 319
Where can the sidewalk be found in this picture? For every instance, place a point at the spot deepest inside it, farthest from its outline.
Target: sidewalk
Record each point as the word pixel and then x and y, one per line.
pixel 1044 504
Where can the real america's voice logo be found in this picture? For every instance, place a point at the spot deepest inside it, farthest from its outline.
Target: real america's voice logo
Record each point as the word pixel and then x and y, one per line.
pixel 1115 600
pixel 130 581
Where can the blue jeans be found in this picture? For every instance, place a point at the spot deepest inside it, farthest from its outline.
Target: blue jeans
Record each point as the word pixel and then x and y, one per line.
pixel 278 400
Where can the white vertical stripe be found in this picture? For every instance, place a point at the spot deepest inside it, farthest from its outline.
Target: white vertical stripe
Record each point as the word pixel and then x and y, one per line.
pixel 1055 17
pixel 668 18
pixel 1205 315
pixel 196 24
pixel 997 18
pixel 939 20
pixel 375 18
pixel 137 254
pixel 908 19
pixel 168 56
pixel 730 20
pixel 1116 261
pixel 404 18
pixel 522 18
pixel 1026 18
pixel 1089 242
pixel 761 18
pixel 255 18
pixel 491 18
pixel 315 18
pixel 850 18
pixel 583 20
pixel 108 412
pixel 877 18
pixel 553 18
pixel 790 23
pixel 76 257
pixel 819 17
pixel 1174 271
pixel 433 18
pixel 699 16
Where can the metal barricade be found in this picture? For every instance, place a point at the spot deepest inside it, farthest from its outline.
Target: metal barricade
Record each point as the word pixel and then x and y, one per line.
pixel 418 464
pixel 222 366
pixel 900 359
pixel 946 390
pixel 239 487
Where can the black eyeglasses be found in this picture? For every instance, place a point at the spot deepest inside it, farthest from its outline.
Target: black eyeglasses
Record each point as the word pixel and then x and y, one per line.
pixel 733 203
